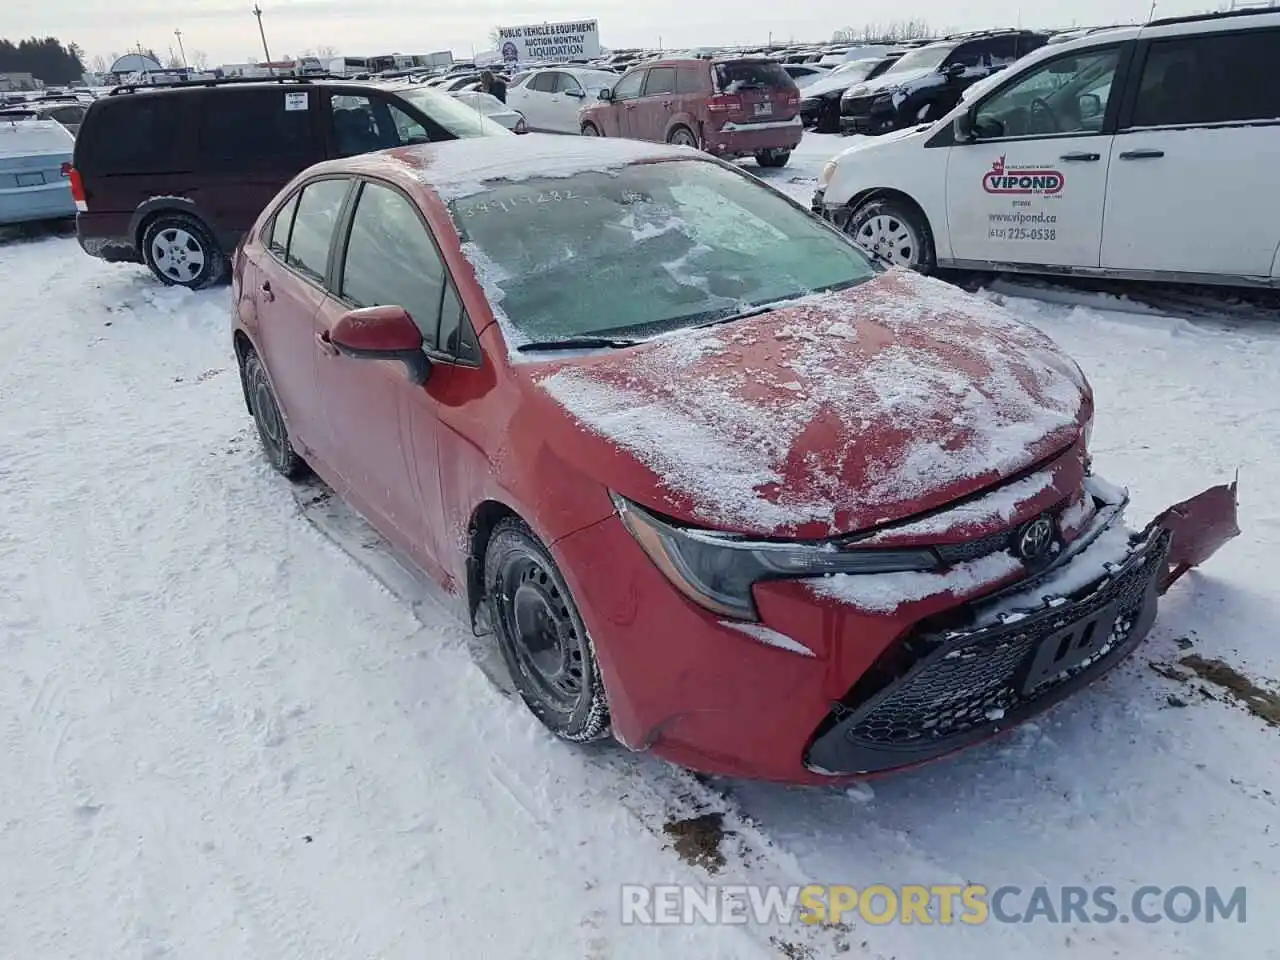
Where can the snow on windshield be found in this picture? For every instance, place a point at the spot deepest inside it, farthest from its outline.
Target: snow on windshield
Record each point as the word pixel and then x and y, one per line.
pixel 685 241
pixel 950 388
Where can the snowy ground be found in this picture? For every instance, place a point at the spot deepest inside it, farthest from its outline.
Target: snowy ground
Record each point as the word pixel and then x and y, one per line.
pixel 224 738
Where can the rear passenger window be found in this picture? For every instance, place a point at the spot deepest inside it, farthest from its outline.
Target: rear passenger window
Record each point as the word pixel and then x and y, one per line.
pixel 691 79
pixel 661 80
pixel 133 133
pixel 278 234
pixel 1213 78
pixel 317 213
pixel 392 261
pixel 243 131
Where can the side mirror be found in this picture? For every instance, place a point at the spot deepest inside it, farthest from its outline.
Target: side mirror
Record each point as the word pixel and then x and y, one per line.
pixel 605 94
pixel 955 71
pixel 1090 106
pixel 382 333
pixel 963 126
pixel 576 94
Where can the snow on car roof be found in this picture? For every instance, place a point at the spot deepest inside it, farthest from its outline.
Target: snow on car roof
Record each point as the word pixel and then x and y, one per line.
pixel 461 167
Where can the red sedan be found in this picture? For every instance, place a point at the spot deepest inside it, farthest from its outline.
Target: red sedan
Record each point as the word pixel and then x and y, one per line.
pixel 720 486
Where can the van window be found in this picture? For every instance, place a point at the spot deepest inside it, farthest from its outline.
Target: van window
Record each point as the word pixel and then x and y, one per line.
pixel 691 79
pixel 132 133
pixel 313 226
pixel 661 80
pixel 738 75
pixel 1213 78
pixel 243 131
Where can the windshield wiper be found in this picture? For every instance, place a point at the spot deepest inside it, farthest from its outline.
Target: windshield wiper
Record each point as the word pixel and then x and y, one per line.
pixel 579 343
pixel 753 312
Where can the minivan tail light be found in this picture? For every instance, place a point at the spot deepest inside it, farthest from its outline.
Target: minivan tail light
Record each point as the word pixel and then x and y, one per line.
pixel 77 186
pixel 793 100
pixel 724 103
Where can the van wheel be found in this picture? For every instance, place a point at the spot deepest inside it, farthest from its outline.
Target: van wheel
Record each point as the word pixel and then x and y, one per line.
pixel 543 640
pixel 181 252
pixel 270 422
pixel 682 137
pixel 894 233
pixel 776 157
pixel 590 130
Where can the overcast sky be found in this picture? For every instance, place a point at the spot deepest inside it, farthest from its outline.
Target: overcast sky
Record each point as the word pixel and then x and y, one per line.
pixel 226 31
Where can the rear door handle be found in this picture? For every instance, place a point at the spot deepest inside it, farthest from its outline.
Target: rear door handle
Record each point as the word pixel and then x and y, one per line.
pixel 666 103
pixel 1141 154
pixel 267 295
pixel 326 344
pixel 1083 157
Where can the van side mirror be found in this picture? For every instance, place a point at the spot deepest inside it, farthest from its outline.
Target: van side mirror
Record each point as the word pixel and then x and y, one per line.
pixel 382 333
pixel 963 126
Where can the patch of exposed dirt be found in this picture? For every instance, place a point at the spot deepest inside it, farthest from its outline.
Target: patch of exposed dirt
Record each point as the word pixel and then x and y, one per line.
pixel 697 840
pixel 1262 703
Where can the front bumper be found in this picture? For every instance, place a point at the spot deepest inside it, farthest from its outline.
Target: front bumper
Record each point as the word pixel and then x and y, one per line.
pixel 957 686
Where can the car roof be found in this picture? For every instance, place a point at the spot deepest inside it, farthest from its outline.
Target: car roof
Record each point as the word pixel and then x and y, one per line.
pixel 456 168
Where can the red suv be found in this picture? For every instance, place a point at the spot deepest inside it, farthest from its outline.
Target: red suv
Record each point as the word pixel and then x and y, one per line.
pixel 721 487
pixel 730 108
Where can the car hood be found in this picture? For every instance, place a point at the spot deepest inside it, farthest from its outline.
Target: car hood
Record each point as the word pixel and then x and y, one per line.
pixel 891 81
pixel 831 414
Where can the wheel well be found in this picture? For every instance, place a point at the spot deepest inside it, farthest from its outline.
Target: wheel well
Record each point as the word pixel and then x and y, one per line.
pixel 483 519
pixel 243 349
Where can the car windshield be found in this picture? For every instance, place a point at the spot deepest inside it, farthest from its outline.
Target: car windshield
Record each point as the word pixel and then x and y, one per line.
pixel 695 242
pixel 596 79
pixel 926 58
pixel 855 69
pixel 456 117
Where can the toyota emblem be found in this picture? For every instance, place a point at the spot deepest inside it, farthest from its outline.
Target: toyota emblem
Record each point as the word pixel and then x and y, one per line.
pixel 1033 540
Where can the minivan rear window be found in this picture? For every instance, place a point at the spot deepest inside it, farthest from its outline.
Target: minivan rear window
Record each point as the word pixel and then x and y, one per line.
pixel 738 75
pixel 131 133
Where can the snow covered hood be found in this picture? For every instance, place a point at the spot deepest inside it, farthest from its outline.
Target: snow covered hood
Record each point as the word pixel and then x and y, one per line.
pixel 830 415
pixel 891 81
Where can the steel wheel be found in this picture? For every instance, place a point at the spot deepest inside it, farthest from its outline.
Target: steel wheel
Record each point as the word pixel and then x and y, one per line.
pixel 272 431
pixel 177 254
pixel 683 137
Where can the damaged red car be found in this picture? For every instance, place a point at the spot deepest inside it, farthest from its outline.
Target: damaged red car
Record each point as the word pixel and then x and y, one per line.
pixel 705 477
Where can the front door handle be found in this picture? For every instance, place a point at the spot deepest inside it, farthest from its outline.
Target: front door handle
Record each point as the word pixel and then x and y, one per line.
pixel 1141 154
pixel 326 344
pixel 1083 157
pixel 267 295
pixel 666 103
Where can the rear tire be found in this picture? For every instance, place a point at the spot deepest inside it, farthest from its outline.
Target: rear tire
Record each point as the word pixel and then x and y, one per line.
pixel 828 116
pixel 682 136
pixel 182 252
pixel 543 640
pixel 773 157
pixel 893 232
pixel 272 431
pixel 591 130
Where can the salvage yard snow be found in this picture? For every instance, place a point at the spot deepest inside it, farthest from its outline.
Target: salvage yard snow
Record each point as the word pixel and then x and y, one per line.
pixel 225 740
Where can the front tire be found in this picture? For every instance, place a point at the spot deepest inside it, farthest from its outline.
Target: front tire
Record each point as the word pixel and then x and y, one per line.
pixel 775 157
pixel 272 431
pixel 895 233
pixel 182 252
pixel 590 130
pixel 543 640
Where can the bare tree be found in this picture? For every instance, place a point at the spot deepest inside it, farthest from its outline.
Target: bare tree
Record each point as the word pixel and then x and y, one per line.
pixel 326 53
pixel 173 63
pixel 897 31
pixel 100 64
pixel 495 37
pixel 200 60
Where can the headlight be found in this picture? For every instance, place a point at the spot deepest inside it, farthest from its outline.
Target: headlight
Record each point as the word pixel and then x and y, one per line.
pixel 857 91
pixel 828 171
pixel 717 570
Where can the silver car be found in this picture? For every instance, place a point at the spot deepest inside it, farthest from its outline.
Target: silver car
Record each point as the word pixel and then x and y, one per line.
pixel 493 108
pixel 35 166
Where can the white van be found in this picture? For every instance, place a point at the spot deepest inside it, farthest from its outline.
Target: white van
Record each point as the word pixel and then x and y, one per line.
pixel 1141 152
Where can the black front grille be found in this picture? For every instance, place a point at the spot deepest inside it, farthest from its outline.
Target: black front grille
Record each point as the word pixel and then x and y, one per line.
pixel 856 106
pixel 951 553
pixel 975 678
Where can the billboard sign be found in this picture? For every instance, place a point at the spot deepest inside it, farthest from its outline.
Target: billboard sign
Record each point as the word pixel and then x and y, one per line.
pixel 549 41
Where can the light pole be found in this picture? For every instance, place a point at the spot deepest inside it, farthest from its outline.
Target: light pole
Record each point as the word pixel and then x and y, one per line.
pixel 257 12
pixel 182 53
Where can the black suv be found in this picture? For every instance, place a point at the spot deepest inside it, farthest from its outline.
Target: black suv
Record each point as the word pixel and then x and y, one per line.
pixel 173 175
pixel 928 81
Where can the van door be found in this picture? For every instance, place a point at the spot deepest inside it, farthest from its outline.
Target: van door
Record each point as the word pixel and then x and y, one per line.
pixel 657 104
pixel 251 142
pixel 1193 165
pixel 1030 189
pixel 626 97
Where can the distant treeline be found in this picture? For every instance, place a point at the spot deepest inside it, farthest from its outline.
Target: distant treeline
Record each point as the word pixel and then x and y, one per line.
pixel 48 59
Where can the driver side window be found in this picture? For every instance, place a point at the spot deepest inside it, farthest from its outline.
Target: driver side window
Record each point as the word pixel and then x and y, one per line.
pixel 628 88
pixel 1064 97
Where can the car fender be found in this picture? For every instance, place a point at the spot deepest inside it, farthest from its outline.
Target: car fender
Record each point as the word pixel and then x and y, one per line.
pixel 898 163
pixel 683 119
pixel 168 204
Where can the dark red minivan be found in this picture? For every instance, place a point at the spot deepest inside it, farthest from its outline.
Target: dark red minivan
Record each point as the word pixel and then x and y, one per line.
pixel 730 108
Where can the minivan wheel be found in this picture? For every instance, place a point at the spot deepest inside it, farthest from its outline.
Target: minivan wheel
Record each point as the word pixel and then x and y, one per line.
pixel 774 157
pixel 894 233
pixel 272 431
pixel 181 252
pixel 590 130
pixel 683 137
pixel 542 637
